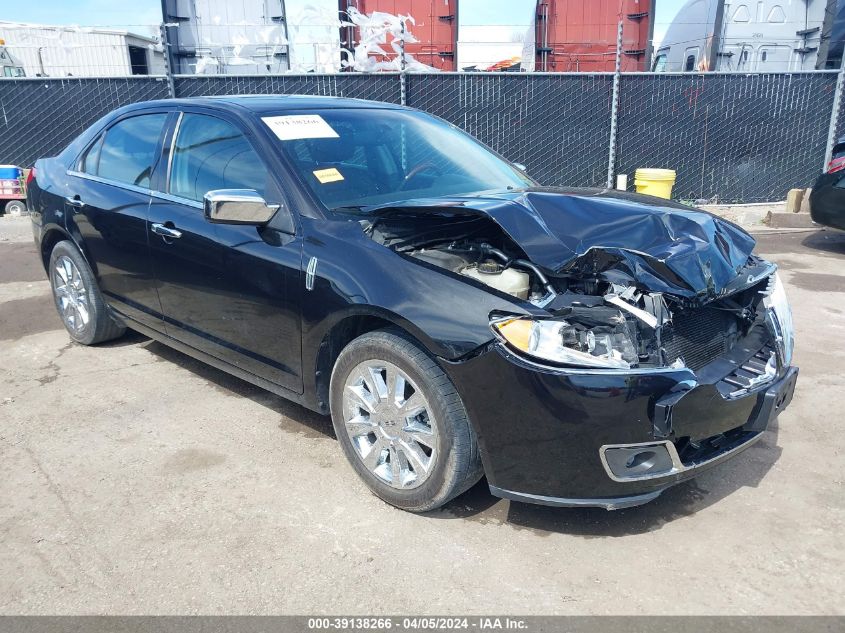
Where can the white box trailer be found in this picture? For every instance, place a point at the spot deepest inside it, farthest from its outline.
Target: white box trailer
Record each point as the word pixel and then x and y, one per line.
pixel 253 37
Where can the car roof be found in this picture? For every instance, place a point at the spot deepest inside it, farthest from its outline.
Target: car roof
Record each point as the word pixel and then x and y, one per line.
pixel 260 104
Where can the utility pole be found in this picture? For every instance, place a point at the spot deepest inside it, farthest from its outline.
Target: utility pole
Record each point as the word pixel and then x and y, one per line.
pixel 614 113
pixel 168 69
pixel 402 80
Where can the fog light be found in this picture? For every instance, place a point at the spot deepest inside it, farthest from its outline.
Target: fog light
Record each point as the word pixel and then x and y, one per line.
pixel 637 462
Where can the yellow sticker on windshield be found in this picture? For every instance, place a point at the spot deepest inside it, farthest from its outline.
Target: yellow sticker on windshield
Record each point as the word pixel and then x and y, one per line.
pixel 328 175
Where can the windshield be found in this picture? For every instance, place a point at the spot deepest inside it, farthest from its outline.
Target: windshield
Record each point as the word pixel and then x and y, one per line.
pixel 362 157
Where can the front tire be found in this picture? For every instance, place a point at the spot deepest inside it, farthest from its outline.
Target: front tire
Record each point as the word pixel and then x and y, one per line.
pixel 77 297
pixel 401 423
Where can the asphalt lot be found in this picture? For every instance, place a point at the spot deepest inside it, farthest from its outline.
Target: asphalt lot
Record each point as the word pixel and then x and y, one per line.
pixel 135 480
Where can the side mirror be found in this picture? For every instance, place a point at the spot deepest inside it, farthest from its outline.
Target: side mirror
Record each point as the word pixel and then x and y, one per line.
pixel 520 166
pixel 237 206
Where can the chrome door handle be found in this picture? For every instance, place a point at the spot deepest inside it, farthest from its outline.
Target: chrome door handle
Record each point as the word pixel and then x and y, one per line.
pixel 74 202
pixel 166 231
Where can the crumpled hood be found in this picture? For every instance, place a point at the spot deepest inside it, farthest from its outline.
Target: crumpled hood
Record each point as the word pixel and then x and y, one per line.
pixel 665 246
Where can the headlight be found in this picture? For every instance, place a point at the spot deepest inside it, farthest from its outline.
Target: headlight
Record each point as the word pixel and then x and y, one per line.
pixel 565 343
pixel 779 305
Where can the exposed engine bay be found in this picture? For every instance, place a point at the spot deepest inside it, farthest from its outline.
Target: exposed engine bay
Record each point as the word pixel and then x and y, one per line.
pixel 598 305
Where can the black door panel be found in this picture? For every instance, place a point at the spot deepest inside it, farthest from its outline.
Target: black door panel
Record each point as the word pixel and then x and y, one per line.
pixel 108 204
pixel 231 291
pixel 113 226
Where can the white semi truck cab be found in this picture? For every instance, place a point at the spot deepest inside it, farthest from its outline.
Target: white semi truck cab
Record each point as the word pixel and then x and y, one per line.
pixel 9 64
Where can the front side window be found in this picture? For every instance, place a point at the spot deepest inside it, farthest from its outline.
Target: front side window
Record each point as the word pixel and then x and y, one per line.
pixel 659 63
pixel 129 150
pixel 361 157
pixel 209 154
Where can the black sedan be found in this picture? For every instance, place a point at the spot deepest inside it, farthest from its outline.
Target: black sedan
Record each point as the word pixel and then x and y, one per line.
pixel 827 200
pixel 578 347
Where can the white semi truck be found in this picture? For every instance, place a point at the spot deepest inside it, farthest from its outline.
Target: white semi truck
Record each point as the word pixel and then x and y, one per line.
pixel 12 67
pixel 744 36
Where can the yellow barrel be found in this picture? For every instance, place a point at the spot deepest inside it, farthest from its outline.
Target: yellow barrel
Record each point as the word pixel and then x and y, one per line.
pixel 655 182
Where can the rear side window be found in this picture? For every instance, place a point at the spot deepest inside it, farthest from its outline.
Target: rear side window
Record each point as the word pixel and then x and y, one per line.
pixel 212 154
pixel 129 150
pixel 91 160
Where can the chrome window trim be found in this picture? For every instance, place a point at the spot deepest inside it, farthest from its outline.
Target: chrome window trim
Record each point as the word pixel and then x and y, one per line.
pixel 169 197
pixel 172 151
pixel 149 192
pixel 107 181
pixel 678 466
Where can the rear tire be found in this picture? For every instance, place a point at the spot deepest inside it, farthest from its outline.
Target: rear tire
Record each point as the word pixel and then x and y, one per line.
pixel 401 423
pixel 85 315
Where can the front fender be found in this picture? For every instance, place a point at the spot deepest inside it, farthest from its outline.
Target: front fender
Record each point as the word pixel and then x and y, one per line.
pixel 356 276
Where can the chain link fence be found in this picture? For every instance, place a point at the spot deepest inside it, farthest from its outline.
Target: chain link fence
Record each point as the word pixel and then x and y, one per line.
pixel 41 116
pixel 558 126
pixel 732 138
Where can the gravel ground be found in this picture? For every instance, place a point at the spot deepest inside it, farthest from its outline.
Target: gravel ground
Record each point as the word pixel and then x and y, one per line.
pixel 135 480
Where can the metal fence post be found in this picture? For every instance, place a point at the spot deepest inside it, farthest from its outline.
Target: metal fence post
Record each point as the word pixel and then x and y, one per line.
pixel 168 70
pixel 402 80
pixel 834 115
pixel 614 113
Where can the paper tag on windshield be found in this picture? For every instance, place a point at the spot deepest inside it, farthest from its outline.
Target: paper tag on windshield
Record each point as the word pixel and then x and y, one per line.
pixel 296 126
pixel 327 175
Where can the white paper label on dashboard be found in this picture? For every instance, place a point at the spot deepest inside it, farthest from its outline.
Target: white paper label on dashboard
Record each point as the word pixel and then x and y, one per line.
pixel 296 126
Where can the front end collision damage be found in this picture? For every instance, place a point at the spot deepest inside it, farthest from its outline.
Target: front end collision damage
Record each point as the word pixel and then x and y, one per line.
pixel 673 300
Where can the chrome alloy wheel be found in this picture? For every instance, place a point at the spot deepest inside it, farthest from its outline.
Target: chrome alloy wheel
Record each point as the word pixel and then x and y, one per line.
pixel 390 424
pixel 71 294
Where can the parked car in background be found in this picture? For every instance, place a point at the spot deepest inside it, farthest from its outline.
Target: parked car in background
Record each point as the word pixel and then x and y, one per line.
pixel 827 200
pixel 578 347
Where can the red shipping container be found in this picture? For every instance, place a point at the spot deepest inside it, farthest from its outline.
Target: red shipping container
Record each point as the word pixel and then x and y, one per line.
pixel 580 35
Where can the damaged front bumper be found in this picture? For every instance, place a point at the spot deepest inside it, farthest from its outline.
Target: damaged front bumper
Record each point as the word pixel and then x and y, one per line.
pixel 617 438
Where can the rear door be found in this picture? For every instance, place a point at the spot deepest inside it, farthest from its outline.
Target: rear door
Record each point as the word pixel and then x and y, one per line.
pixel 108 203
pixel 231 291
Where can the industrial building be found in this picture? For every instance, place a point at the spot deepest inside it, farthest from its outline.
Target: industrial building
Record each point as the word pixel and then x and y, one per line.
pixel 66 51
